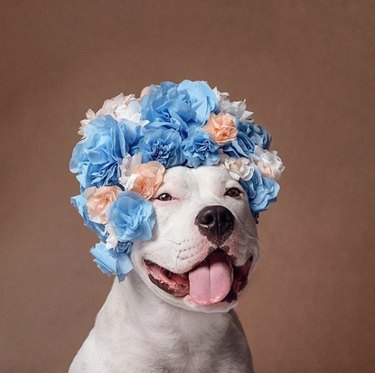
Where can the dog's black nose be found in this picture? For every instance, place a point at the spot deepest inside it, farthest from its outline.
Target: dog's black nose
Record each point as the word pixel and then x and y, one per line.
pixel 216 223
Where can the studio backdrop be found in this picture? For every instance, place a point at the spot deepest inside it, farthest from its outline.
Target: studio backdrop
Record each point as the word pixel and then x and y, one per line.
pixel 306 69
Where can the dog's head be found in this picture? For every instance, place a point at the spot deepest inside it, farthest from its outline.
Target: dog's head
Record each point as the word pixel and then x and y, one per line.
pixel 204 241
pixel 173 183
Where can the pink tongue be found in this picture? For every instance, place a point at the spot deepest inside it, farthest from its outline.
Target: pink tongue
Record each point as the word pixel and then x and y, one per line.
pixel 211 281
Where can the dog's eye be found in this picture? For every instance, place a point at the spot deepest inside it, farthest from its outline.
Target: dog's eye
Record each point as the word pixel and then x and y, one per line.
pixel 165 197
pixel 233 192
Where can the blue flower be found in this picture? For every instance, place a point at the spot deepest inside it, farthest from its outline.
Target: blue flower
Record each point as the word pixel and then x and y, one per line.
pixel 201 98
pixel 249 135
pixel 163 146
pixel 98 156
pixel 261 191
pixel 79 202
pixel 199 149
pixel 123 247
pixel 132 217
pixel 111 262
pixel 177 106
pixel 133 134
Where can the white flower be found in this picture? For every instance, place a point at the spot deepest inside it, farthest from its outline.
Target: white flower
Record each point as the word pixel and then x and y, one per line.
pixel 238 168
pixel 129 109
pixel 236 108
pixel 120 107
pixel 129 163
pixel 90 115
pixel 269 163
pixel 112 240
pixel 145 91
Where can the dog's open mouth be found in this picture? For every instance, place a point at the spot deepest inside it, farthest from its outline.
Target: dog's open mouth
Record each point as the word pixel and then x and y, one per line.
pixel 213 280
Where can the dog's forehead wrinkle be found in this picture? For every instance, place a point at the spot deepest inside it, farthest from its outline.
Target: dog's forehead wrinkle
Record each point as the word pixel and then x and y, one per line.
pixel 212 177
pixel 181 179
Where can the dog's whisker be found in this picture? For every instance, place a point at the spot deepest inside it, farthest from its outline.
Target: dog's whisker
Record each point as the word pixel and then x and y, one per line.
pixel 261 245
pixel 178 257
pixel 177 243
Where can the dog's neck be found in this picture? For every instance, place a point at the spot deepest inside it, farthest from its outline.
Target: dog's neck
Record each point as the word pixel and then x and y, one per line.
pixel 134 308
pixel 137 331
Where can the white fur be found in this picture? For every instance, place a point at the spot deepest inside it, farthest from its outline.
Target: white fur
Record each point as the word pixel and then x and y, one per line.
pixel 141 328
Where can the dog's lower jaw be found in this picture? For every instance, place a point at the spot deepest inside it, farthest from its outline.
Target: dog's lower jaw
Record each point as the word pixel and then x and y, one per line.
pixel 135 331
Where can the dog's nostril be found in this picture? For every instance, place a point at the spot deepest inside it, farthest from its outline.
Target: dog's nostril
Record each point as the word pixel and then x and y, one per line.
pixel 207 219
pixel 216 223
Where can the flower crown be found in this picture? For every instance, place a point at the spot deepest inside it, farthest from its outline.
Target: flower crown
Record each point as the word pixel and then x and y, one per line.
pixel 130 142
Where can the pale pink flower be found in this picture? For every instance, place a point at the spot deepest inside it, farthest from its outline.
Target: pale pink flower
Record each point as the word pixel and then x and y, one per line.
pixel 145 91
pixel 222 128
pixel 98 199
pixel 269 163
pixel 149 178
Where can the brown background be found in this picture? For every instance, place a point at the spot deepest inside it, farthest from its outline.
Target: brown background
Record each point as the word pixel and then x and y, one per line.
pixel 306 69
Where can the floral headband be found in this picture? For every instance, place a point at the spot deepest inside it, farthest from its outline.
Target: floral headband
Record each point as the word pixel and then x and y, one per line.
pixel 130 142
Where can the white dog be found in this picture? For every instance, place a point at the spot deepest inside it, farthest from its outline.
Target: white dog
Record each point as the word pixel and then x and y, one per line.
pixel 174 312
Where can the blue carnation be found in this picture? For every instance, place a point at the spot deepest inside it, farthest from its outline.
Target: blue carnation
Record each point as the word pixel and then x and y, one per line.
pixel 79 202
pixel 201 98
pixel 133 134
pixel 97 158
pixel 177 106
pixel 261 191
pixel 199 149
pixel 111 262
pixel 132 217
pixel 163 146
pixel 123 247
pixel 249 135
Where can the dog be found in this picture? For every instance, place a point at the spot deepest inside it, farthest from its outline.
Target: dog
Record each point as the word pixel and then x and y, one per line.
pixel 175 311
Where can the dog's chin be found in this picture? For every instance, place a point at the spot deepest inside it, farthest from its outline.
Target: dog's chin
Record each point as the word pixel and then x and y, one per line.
pixel 212 285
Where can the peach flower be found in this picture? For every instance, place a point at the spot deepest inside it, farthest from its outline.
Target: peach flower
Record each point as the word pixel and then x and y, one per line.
pixel 149 178
pixel 98 199
pixel 222 127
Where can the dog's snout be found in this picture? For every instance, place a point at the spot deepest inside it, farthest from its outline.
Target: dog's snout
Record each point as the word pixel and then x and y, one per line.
pixel 216 223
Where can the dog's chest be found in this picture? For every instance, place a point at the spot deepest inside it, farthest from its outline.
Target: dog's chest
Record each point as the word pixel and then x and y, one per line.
pixel 184 351
pixel 189 346
pixel 175 342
